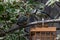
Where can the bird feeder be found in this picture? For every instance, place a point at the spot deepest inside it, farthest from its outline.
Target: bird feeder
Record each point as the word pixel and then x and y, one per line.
pixel 43 32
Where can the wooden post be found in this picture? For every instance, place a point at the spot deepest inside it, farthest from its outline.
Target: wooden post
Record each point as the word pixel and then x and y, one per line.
pixel 30 36
pixel 35 36
pixel 50 36
pixel 45 35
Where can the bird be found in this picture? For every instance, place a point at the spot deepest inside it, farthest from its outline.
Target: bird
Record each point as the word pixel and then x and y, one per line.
pixel 22 20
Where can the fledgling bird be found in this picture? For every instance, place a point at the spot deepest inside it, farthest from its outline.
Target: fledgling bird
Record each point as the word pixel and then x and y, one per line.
pixel 22 21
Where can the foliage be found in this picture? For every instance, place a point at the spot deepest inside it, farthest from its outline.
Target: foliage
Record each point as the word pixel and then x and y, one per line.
pixel 9 13
pixel 8 16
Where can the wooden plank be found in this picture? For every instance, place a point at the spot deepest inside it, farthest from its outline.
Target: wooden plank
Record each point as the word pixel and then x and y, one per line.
pixel 37 29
